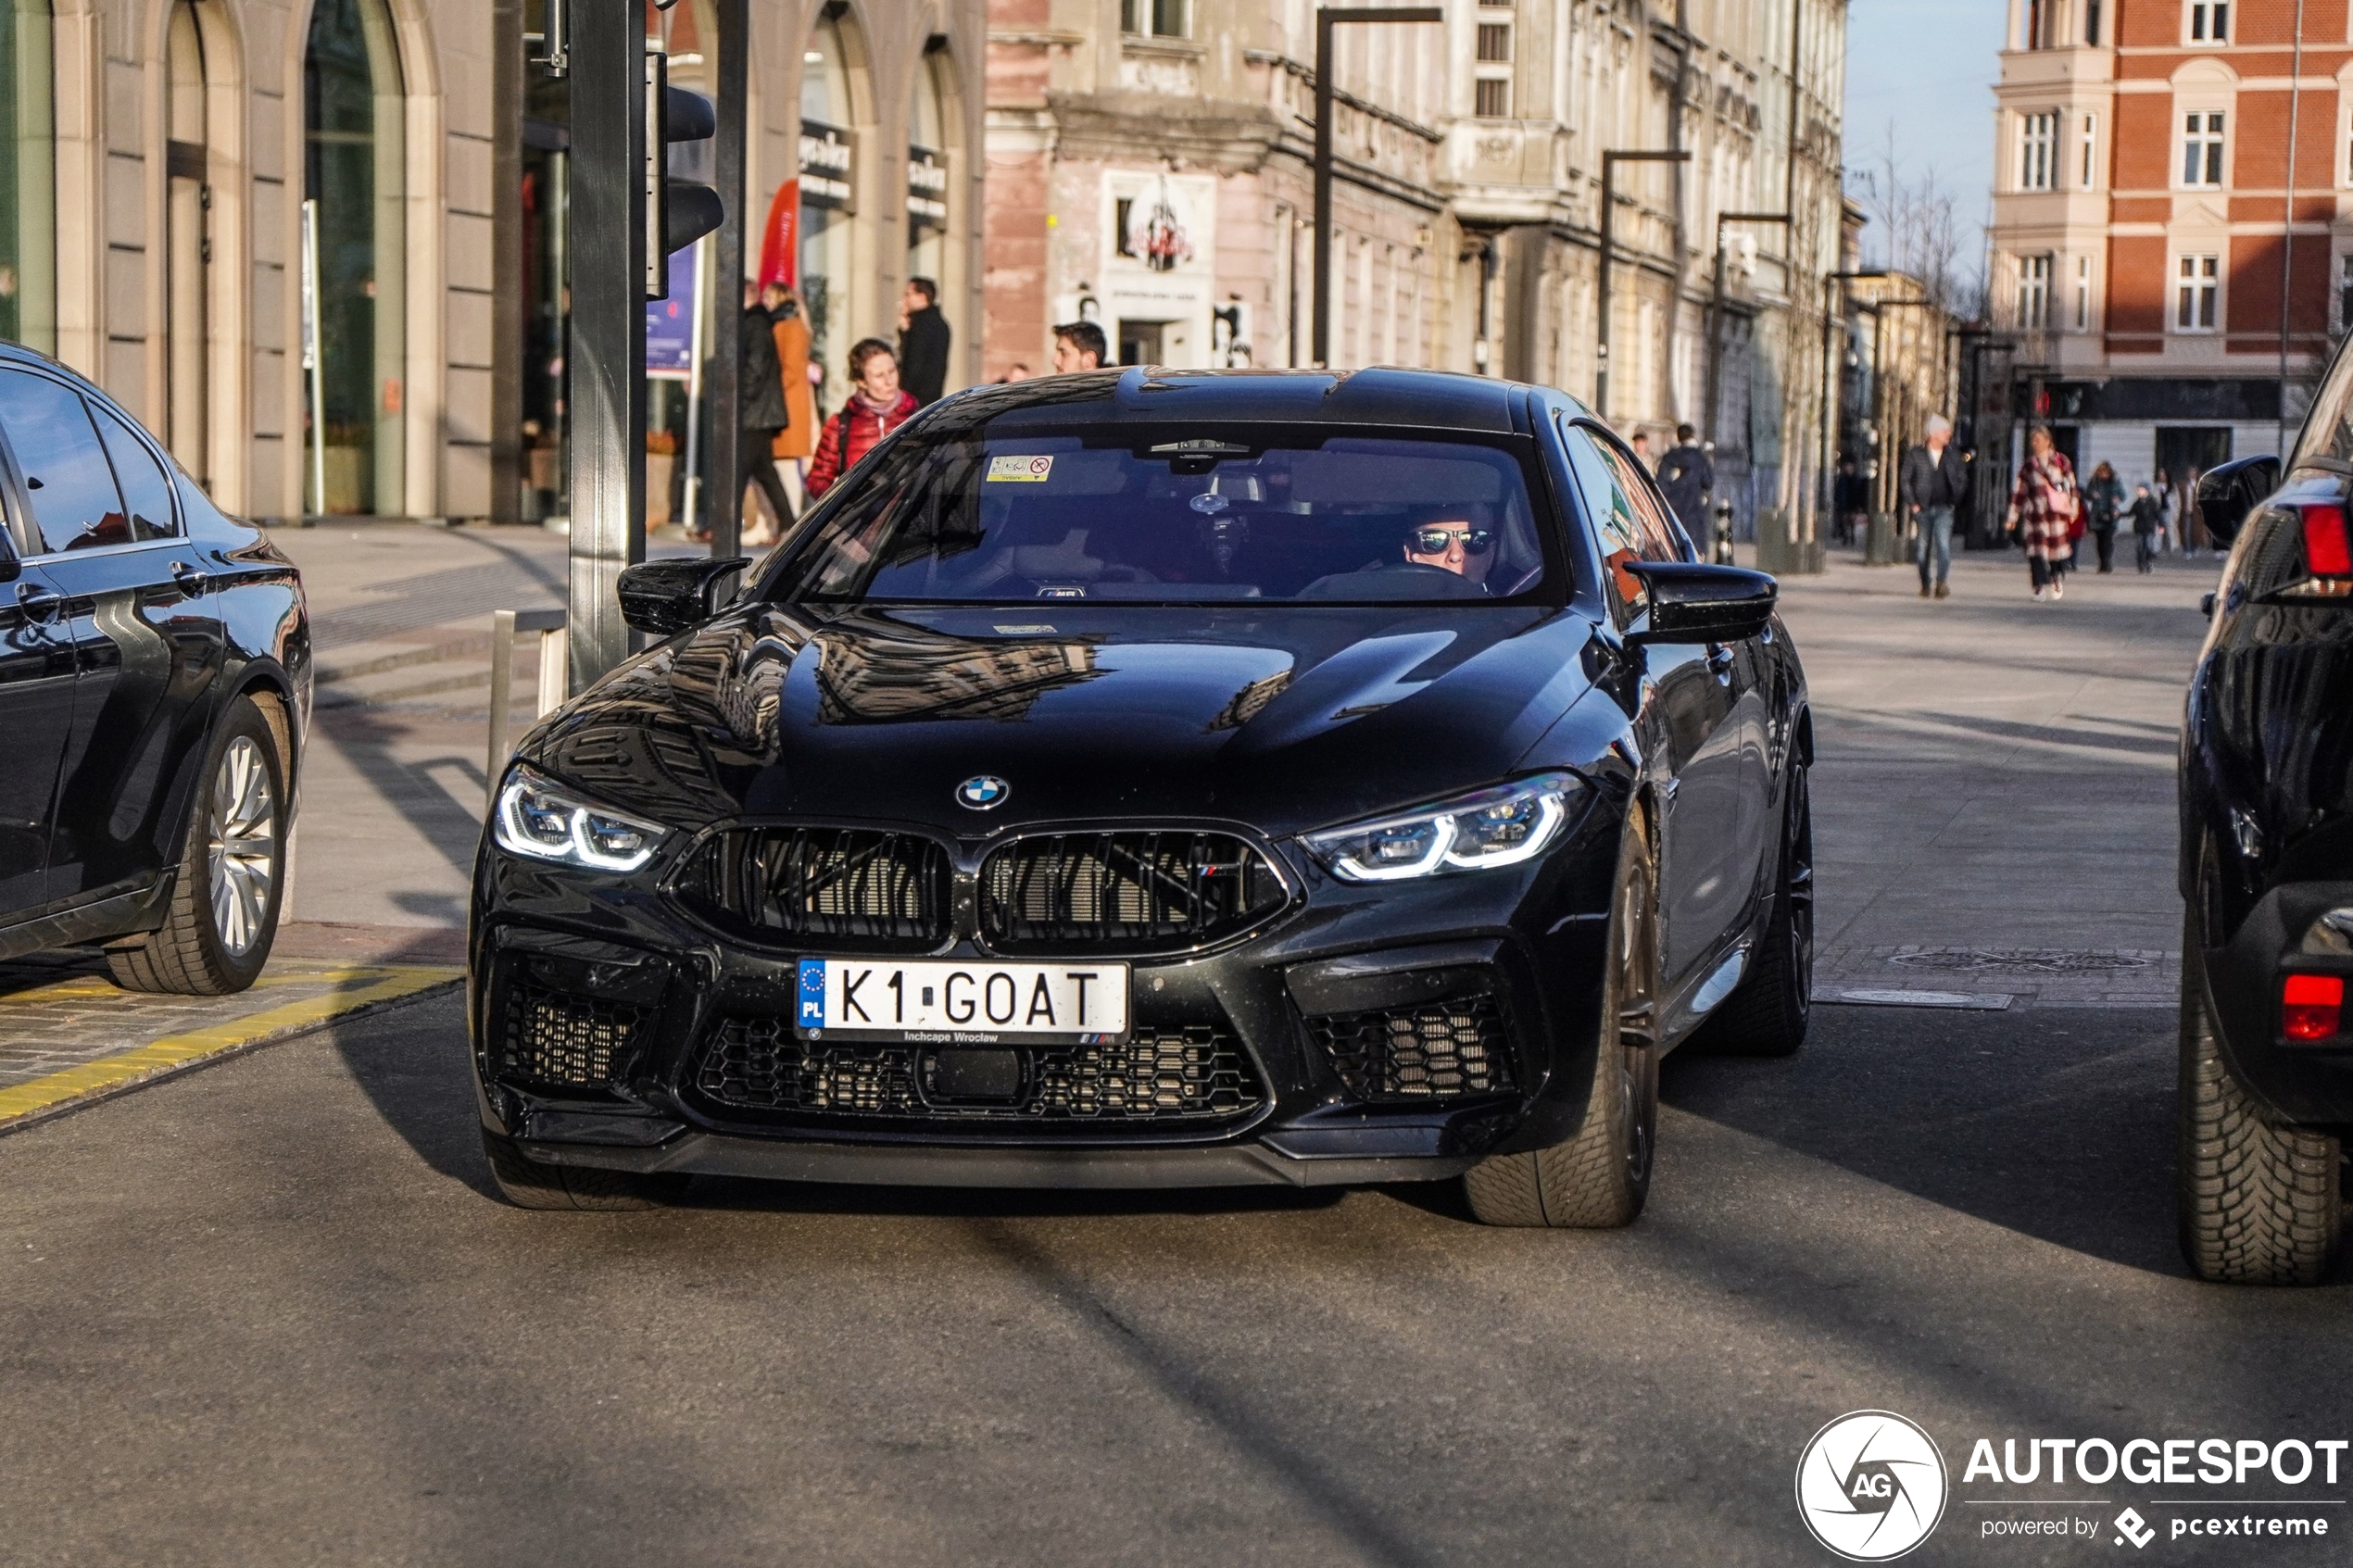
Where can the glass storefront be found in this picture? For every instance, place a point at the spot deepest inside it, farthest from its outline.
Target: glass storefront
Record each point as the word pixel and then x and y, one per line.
pixel 927 176
pixel 547 189
pixel 28 178
pixel 354 173
pixel 828 274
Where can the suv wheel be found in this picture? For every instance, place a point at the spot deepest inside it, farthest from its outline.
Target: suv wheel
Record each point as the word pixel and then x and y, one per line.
pixel 224 899
pixel 2260 1204
pixel 1599 1177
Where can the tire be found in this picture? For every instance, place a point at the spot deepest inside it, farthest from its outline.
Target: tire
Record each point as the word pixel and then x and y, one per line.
pixel 531 1184
pixel 2260 1204
pixel 225 897
pixel 1600 1175
pixel 1767 1014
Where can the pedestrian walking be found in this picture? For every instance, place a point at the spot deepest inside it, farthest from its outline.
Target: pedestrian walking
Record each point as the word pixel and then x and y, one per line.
pixel 1931 485
pixel 876 406
pixel 2044 507
pixel 1642 445
pixel 922 342
pixel 798 440
pixel 2166 538
pixel 2103 502
pixel 1687 476
pixel 762 412
pixel 2148 522
pixel 1850 499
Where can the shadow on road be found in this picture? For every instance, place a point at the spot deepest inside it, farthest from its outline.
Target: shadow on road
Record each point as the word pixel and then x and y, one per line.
pixel 2054 1123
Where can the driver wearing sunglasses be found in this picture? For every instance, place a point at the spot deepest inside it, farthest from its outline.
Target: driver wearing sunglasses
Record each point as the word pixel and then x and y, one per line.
pixel 1457 540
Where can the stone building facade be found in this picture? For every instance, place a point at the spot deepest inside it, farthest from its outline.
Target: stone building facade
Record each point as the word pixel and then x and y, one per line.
pixel 1150 165
pixel 180 175
pixel 2172 235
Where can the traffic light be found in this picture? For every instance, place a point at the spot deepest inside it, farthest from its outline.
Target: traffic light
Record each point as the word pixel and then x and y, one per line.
pixel 678 212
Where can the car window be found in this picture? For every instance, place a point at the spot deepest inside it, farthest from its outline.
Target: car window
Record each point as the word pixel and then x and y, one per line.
pixel 1179 516
pixel 146 493
pixel 70 486
pixel 1627 524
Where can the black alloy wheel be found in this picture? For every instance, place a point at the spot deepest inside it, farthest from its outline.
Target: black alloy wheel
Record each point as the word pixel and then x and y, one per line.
pixel 1600 1175
pixel 1769 1012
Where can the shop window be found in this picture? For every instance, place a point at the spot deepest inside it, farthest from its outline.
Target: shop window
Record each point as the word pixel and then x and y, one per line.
pixel 2202 148
pixel 2197 288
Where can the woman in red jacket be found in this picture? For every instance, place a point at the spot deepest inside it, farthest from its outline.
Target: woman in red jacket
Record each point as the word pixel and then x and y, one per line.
pixel 875 407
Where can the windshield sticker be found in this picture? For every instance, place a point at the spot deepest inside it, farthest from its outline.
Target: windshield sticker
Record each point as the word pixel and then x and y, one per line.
pixel 1022 470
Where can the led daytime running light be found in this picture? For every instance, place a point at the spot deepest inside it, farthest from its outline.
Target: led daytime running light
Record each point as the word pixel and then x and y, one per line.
pixel 1453 837
pixel 578 845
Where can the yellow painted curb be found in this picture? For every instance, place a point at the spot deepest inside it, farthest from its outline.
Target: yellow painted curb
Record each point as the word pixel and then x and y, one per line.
pixel 354 990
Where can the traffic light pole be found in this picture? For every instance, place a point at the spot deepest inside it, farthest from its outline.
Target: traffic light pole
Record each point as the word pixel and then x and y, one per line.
pixel 607 357
pixel 723 496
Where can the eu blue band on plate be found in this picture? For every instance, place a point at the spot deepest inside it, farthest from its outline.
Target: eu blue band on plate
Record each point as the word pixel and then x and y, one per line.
pixel 812 993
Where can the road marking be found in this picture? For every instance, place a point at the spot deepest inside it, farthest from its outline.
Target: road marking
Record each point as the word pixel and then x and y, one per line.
pixel 352 989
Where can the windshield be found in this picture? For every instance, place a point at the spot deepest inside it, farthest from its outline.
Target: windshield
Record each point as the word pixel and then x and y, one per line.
pixel 1162 515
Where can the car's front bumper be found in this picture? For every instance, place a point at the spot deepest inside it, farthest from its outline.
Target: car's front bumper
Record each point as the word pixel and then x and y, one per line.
pixel 1532 938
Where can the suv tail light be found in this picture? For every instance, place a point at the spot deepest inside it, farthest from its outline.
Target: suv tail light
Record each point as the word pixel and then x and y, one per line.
pixel 2327 550
pixel 2311 1006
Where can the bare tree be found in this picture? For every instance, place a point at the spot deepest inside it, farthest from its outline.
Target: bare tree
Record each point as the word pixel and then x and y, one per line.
pixel 1919 230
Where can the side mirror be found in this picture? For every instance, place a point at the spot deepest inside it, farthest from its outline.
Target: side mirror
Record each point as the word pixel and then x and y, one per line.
pixel 1694 603
pixel 662 597
pixel 2229 491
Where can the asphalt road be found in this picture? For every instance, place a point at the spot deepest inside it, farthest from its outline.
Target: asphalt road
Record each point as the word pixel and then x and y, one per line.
pixel 270 1311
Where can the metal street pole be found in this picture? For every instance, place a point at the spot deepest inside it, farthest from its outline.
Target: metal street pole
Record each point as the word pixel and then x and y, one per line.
pixel 1823 498
pixel 1610 161
pixel 607 350
pixel 722 492
pixel 1716 307
pixel 1325 19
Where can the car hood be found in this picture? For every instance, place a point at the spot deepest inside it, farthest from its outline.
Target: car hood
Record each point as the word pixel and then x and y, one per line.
pixel 1282 718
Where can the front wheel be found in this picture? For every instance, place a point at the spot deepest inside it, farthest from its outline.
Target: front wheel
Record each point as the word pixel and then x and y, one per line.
pixel 224 900
pixel 2258 1203
pixel 1599 1177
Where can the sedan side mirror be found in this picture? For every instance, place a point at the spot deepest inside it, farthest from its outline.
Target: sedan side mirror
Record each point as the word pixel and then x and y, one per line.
pixel 2227 492
pixel 662 597
pixel 1694 603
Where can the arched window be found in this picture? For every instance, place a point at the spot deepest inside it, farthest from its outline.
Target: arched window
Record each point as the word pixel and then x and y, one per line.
pixel 28 177
pixel 355 186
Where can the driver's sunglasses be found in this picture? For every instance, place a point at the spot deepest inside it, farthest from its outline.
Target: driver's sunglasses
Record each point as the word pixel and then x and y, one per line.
pixel 1434 541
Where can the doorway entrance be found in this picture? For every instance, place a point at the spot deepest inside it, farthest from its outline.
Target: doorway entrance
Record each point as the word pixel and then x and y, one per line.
pixel 1142 343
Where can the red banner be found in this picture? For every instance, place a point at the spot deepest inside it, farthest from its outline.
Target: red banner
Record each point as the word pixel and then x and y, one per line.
pixel 780 241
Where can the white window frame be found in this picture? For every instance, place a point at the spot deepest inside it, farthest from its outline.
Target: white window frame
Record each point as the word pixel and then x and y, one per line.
pixel 2207 22
pixel 2195 289
pixel 2038 150
pixel 2205 148
pixel 2083 293
pixel 2034 292
pixel 2088 164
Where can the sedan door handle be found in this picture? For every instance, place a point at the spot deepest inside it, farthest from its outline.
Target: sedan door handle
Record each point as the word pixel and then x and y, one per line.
pixel 39 605
pixel 191 582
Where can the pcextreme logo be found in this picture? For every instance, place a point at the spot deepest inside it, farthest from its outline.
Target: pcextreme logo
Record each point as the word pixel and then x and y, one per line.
pixel 1871 1486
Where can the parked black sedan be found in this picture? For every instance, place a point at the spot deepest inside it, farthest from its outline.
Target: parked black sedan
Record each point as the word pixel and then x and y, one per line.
pixel 155 685
pixel 2267 866
pixel 1160 778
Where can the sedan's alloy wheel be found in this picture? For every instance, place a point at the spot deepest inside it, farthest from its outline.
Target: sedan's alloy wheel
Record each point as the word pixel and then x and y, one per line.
pixel 244 845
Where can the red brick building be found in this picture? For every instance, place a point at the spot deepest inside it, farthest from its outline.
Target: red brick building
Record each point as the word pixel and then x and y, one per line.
pixel 2172 220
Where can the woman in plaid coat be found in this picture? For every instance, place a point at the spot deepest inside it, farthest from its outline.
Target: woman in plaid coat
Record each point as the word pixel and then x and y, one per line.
pixel 2044 507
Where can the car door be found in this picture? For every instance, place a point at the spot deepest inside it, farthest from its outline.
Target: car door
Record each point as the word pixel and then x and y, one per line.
pixel 145 645
pixel 37 713
pixel 1691 712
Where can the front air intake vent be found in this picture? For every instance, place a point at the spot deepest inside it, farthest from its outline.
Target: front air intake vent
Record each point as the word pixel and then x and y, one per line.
pixel 1135 892
pixel 1441 1050
pixel 552 1038
pixel 890 892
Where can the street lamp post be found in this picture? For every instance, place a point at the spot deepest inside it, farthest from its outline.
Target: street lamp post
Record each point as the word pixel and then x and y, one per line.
pixel 1823 499
pixel 1327 18
pixel 1716 305
pixel 1610 161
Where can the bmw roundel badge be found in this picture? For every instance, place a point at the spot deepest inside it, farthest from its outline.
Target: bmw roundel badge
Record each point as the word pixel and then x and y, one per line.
pixel 983 791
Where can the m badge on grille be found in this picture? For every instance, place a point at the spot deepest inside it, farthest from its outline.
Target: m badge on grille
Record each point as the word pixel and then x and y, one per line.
pixel 983 792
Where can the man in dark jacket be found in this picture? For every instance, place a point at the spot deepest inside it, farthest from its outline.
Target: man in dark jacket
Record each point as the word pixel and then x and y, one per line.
pixel 923 340
pixel 1687 476
pixel 760 402
pixel 1930 486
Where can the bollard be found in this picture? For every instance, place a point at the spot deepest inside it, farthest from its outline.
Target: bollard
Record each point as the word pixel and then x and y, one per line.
pixel 547 625
pixel 1722 554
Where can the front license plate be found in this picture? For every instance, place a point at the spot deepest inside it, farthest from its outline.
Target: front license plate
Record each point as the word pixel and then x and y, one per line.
pixel 963 1003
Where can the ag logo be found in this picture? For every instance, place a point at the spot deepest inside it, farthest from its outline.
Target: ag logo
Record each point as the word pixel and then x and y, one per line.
pixel 982 792
pixel 1871 1485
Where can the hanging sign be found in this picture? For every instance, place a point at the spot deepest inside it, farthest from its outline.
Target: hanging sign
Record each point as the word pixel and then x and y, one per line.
pixel 927 190
pixel 670 323
pixel 826 177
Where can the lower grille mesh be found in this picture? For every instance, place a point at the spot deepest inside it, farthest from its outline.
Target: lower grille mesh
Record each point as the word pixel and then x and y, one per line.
pixel 1168 1074
pixel 1442 1050
pixel 554 1038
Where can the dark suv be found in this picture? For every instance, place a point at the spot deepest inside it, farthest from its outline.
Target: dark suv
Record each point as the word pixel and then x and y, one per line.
pixel 155 685
pixel 2267 865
